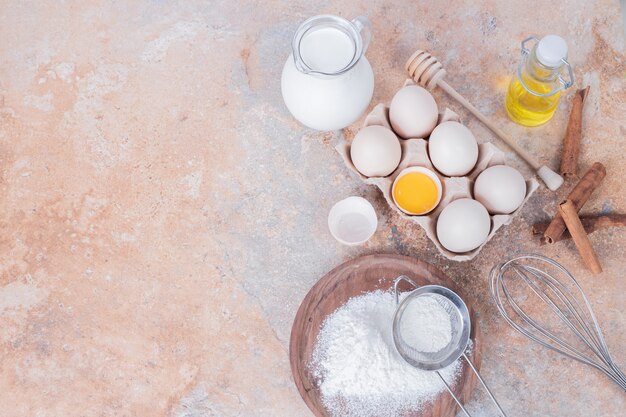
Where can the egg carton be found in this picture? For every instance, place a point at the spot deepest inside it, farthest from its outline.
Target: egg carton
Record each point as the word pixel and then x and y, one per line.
pixel 415 153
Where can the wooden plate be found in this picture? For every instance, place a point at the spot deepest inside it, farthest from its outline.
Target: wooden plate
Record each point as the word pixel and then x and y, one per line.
pixel 352 278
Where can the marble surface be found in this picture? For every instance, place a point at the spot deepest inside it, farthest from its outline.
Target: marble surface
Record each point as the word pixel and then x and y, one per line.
pixel 162 215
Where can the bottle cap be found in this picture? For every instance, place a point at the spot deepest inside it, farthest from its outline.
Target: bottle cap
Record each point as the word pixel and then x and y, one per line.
pixel 551 50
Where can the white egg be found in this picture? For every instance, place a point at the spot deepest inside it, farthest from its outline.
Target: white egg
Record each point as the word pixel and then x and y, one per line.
pixel 500 188
pixel 413 112
pixel 453 149
pixel 375 151
pixel 463 225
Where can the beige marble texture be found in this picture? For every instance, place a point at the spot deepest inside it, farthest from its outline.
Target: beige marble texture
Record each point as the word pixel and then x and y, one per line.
pixel 162 215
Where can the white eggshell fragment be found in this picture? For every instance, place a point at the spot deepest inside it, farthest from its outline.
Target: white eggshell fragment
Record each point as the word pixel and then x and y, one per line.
pixel 352 221
pixel 375 151
pixel 413 112
pixel 500 188
pixel 453 149
pixel 463 225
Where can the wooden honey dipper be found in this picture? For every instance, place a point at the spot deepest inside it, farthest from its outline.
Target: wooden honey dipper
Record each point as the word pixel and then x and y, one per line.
pixel 428 72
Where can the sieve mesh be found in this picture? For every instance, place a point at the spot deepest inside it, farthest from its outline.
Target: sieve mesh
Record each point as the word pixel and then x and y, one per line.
pixel 460 328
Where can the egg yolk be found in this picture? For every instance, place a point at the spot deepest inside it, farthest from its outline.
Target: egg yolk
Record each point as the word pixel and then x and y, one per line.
pixel 416 193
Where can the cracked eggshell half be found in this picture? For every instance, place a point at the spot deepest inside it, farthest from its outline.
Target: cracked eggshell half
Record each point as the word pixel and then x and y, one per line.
pixel 352 221
pixel 416 191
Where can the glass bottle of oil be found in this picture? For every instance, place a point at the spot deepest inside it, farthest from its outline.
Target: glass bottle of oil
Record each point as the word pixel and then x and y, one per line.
pixel 535 90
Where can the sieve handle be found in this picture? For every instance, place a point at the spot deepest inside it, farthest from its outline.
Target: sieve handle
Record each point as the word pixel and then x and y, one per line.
pixel 397 281
pixel 458 402
pixel 481 381
pixel 484 384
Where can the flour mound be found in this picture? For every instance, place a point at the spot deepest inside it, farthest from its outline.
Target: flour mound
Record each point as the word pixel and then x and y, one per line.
pixel 356 365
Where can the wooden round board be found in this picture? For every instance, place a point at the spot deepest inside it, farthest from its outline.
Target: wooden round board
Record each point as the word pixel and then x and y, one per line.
pixel 350 279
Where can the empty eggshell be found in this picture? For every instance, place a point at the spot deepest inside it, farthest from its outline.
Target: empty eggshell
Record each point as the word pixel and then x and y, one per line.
pixel 463 225
pixel 500 188
pixel 375 151
pixel 453 149
pixel 413 112
pixel 352 221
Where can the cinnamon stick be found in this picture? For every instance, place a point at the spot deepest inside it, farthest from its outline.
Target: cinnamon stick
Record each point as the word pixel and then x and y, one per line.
pixel 590 224
pixel 579 196
pixel 573 134
pixel 568 211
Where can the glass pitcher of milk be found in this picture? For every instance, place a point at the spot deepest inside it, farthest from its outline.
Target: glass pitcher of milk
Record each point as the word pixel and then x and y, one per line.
pixel 327 83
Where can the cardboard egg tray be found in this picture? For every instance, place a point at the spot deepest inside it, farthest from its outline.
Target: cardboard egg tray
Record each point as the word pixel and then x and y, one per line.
pixel 415 153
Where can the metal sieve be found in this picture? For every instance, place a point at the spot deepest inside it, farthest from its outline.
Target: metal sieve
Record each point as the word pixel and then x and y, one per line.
pixel 460 325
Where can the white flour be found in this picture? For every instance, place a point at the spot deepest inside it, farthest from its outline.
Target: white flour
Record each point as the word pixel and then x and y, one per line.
pixel 425 325
pixel 358 368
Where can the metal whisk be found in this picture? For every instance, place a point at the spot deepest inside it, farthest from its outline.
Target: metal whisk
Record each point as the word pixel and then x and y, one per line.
pixel 574 329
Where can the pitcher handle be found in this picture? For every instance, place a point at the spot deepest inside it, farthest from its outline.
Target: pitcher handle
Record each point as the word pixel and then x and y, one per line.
pixel 364 26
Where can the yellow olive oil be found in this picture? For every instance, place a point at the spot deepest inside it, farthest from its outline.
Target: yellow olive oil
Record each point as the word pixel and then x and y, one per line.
pixel 535 90
pixel 528 109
